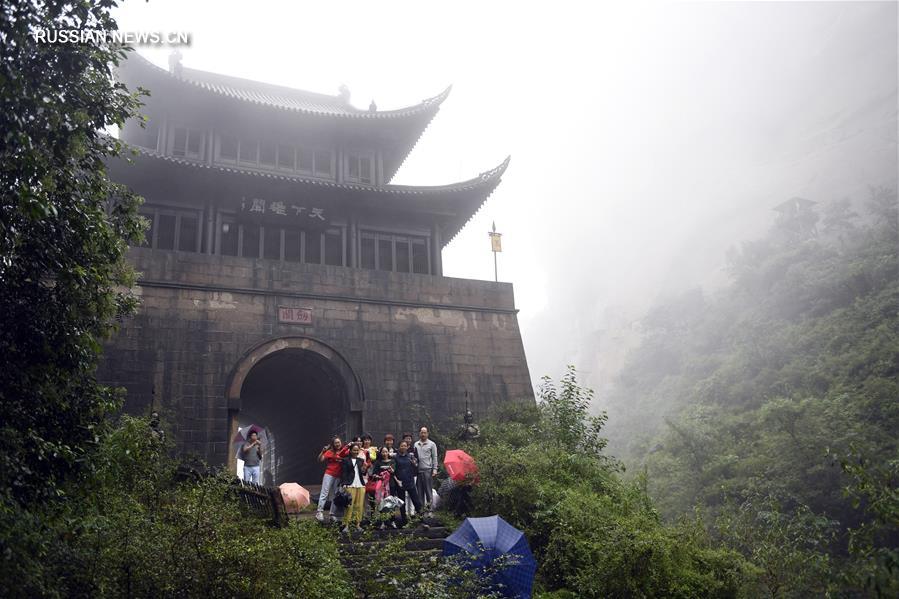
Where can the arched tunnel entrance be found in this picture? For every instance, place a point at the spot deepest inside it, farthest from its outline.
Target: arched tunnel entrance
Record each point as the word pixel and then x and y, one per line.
pixel 301 393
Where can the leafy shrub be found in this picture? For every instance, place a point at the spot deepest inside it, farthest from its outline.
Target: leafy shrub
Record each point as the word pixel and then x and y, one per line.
pixel 604 546
pixel 64 231
pixel 594 535
pixel 133 530
pixel 792 364
pixel 789 546
pixel 389 571
pixel 874 545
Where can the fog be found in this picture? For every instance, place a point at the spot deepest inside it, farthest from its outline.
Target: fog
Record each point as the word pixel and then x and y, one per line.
pixel 646 138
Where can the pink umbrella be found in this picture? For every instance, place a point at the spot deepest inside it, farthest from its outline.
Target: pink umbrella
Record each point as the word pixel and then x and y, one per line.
pixel 460 466
pixel 295 497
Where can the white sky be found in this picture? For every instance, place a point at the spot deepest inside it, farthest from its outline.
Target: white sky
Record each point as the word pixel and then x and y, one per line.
pixel 646 138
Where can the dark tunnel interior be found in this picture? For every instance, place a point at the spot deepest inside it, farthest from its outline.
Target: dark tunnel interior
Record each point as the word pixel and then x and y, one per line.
pixel 300 399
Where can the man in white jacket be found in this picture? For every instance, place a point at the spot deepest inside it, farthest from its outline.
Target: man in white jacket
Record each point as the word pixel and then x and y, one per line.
pixel 426 453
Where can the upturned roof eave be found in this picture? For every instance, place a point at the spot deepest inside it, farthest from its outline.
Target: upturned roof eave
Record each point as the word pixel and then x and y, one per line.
pixel 401 158
pixel 467 197
pixel 483 180
pixel 335 110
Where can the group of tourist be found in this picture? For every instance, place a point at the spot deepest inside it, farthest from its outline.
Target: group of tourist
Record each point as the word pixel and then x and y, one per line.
pixel 405 472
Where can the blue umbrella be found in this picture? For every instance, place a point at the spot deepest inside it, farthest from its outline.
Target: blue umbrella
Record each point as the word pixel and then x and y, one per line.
pixel 487 540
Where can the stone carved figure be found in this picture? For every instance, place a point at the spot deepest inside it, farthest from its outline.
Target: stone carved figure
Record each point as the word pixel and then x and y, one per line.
pixel 470 430
pixel 156 429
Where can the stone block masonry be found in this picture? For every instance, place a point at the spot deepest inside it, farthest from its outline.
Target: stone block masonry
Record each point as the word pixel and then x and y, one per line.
pixel 416 343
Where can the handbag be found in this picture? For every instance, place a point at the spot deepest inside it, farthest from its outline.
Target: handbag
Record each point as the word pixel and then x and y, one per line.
pixel 342 498
pixel 383 489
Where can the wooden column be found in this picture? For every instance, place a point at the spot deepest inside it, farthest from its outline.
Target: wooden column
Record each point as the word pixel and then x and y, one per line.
pixel 354 253
pixel 216 233
pixel 162 144
pixel 210 147
pixel 437 266
pixel 379 169
pixel 210 227
pixel 338 158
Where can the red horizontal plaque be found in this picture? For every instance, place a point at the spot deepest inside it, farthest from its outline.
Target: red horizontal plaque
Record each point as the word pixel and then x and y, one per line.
pixel 294 315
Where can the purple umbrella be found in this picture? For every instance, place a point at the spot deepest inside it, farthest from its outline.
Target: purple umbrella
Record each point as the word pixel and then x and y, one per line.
pixel 493 541
pixel 243 433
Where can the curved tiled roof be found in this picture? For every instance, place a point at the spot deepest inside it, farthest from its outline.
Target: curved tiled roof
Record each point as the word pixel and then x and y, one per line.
pixel 466 196
pixel 280 97
pixel 484 179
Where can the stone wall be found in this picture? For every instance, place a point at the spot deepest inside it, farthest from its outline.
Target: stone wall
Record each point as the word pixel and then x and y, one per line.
pixel 415 342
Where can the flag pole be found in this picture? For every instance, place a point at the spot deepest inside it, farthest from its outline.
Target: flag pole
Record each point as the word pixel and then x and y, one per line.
pixel 496 247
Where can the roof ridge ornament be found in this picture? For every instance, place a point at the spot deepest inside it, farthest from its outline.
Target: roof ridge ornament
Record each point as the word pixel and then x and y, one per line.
pixel 175 66
pixel 322 105
pixel 439 98
pixel 344 93
pixel 497 170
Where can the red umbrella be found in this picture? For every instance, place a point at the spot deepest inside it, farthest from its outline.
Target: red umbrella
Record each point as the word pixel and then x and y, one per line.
pixel 295 497
pixel 460 466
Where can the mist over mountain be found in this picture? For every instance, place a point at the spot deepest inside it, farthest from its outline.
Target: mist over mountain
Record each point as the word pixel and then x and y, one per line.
pixel 755 103
pixel 646 138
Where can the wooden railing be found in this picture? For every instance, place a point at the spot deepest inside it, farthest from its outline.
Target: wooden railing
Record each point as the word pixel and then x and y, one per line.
pixel 265 502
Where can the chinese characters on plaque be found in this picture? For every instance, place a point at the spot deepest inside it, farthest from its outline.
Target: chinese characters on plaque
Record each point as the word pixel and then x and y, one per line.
pixel 288 315
pixel 283 212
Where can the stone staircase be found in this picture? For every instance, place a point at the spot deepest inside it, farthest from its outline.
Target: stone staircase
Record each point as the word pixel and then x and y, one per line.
pixel 373 557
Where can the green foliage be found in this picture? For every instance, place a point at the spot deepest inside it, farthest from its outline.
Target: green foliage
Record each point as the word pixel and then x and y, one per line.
pixel 64 229
pixel 593 534
pixel 389 571
pixel 791 548
pixel 744 403
pixel 133 530
pixel 565 415
pixel 874 544
pixel 447 578
pixel 605 546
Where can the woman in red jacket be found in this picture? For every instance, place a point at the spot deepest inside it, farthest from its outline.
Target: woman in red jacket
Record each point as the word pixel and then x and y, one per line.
pixel 332 455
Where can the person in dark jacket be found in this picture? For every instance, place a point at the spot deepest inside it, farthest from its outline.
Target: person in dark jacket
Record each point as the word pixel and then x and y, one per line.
pixel 407 437
pixel 404 473
pixel 353 480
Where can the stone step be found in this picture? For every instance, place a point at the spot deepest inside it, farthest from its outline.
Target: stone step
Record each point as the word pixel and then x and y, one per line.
pixel 364 554
pixel 433 532
pixel 410 560
pixel 369 547
pixel 406 555
pixel 302 516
